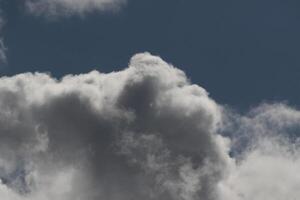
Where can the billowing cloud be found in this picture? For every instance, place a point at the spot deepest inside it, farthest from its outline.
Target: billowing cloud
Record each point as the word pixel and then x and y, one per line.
pixel 54 8
pixel 142 133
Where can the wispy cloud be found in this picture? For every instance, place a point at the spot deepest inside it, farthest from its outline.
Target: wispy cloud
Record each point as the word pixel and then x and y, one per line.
pixel 266 141
pixel 3 48
pixel 59 8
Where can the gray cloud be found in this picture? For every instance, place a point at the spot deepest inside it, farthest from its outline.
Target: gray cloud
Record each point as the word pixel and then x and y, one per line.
pixel 142 133
pixel 55 8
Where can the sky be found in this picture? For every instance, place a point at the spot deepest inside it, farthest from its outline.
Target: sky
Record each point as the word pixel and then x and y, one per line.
pixel 234 49
pixel 149 99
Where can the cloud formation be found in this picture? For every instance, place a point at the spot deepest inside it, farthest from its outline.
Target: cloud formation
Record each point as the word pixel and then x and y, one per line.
pixel 142 133
pixel 55 8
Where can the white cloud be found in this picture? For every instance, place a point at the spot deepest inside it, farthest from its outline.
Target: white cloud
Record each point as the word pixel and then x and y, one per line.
pixel 270 171
pixel 59 8
pixel 141 133
pixel 144 132
pixel 268 158
pixel 54 8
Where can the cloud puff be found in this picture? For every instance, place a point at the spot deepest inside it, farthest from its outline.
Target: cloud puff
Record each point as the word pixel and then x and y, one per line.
pixel 144 132
pixel 141 133
pixel 267 152
pixel 270 171
pixel 54 8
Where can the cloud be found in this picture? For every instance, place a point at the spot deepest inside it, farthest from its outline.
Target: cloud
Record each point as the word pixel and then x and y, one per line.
pixel 145 132
pixel 267 153
pixel 3 48
pixel 55 8
pixel 141 133
pixel 270 171
pixel 58 8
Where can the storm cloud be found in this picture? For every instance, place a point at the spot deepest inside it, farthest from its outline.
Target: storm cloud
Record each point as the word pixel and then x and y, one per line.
pixel 145 132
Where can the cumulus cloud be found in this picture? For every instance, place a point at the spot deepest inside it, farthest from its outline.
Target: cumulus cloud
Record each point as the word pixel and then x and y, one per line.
pixel 141 133
pixel 145 132
pixel 54 8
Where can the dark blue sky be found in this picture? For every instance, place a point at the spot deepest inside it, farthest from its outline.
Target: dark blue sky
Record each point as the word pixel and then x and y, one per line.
pixel 242 52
